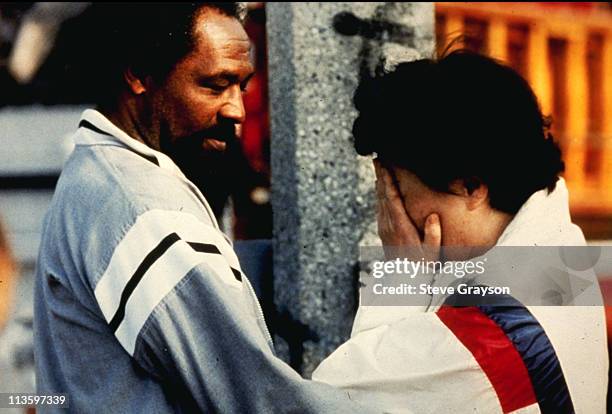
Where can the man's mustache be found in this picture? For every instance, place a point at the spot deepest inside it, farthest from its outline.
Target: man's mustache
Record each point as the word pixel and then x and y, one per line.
pixel 190 146
pixel 189 149
pixel 225 132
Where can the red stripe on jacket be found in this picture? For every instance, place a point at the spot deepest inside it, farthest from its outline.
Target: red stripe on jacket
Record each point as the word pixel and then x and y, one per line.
pixel 495 354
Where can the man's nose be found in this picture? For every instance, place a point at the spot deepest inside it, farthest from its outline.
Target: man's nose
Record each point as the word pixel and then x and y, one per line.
pixel 233 108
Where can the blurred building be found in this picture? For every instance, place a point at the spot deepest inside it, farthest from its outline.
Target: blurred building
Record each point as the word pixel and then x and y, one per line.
pixel 565 52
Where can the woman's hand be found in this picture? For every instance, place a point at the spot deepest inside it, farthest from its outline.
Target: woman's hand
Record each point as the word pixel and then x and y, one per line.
pixel 395 228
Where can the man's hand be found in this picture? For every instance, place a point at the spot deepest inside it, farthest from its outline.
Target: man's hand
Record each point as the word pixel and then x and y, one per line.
pixel 395 228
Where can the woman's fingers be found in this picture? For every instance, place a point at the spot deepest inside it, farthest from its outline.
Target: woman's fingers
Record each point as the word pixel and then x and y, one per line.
pixel 433 237
pixel 394 224
pixel 433 231
pixel 382 218
pixel 385 225
pixel 405 231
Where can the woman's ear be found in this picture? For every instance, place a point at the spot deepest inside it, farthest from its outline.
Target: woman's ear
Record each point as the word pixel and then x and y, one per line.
pixel 135 83
pixel 473 190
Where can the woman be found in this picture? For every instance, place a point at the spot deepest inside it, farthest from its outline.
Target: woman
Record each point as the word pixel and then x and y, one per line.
pixel 465 160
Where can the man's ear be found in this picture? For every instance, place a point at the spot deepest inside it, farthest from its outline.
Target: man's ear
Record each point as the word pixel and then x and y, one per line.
pixel 473 190
pixel 134 82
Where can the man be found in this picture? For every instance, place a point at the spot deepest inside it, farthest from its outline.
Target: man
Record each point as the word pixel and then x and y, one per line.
pixel 475 171
pixel 141 305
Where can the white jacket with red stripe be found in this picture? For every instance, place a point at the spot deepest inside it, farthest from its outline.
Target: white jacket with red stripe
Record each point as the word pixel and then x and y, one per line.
pixel 485 359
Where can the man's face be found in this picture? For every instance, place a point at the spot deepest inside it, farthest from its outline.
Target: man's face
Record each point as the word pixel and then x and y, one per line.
pixel 197 111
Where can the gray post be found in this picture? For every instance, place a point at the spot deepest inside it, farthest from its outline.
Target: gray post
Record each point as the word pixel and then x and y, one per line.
pixel 322 193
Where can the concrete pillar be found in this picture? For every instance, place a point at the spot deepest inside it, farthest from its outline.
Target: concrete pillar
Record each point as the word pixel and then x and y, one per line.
pixel 322 192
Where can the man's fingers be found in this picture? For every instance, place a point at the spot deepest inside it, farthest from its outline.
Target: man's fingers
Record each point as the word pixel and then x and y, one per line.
pixel 433 232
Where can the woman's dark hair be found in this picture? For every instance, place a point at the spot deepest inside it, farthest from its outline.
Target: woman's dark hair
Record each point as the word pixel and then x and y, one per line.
pixel 463 116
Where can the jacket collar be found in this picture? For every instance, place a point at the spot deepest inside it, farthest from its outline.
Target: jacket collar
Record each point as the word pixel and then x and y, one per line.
pixel 101 131
pixel 544 220
pixel 96 129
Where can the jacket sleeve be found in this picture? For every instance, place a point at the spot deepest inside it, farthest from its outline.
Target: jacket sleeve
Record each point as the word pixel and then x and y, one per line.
pixel 175 298
pixel 413 364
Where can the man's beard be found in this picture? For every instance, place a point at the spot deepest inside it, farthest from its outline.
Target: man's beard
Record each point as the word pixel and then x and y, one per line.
pixel 212 171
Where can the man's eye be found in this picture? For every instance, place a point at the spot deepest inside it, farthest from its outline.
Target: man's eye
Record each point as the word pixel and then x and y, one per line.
pixel 215 86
